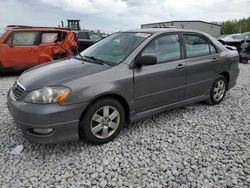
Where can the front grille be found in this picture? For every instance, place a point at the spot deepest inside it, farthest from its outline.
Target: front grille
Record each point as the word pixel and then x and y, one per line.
pixel 18 90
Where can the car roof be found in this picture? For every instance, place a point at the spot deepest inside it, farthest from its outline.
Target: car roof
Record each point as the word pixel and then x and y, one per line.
pixel 163 30
pixel 37 29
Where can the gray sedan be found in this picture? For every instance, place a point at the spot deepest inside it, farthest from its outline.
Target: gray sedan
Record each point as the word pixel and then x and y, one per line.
pixel 121 79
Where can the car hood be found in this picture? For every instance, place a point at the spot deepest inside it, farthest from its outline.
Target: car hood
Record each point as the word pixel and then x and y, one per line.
pixel 58 73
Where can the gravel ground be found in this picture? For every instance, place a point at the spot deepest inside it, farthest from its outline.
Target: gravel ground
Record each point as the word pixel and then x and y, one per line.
pixel 194 146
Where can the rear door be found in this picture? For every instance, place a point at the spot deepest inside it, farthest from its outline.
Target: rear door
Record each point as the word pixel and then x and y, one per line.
pixel 202 62
pixel 50 45
pixel 21 48
pixel 163 83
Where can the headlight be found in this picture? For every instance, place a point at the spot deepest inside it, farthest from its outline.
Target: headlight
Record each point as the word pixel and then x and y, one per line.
pixel 48 95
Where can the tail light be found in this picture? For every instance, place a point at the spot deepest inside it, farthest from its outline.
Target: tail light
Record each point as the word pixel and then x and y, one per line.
pixel 238 57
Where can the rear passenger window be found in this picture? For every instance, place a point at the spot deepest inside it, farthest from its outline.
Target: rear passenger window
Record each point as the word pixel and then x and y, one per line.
pixel 196 45
pixel 23 38
pixel 49 37
pixel 165 48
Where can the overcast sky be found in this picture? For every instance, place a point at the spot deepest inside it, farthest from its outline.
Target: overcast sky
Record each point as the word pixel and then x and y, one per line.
pixel 114 15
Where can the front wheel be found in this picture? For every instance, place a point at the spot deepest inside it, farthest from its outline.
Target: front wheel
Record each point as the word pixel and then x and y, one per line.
pixel 218 90
pixel 103 121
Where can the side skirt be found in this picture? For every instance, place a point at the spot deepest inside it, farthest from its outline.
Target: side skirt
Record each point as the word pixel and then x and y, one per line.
pixel 141 115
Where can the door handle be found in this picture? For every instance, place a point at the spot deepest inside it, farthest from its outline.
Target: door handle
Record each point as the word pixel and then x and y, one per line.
pixel 180 66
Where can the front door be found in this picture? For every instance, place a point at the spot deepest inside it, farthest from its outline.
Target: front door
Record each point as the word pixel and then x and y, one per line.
pixel 21 49
pixel 163 83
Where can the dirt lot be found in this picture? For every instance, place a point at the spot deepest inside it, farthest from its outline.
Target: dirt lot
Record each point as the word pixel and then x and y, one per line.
pixel 194 146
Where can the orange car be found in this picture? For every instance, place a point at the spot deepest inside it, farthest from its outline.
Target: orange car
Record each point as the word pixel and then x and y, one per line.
pixel 24 46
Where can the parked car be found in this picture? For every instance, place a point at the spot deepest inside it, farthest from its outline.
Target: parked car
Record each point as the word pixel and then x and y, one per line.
pixel 123 78
pixel 86 39
pixel 24 46
pixel 233 40
pixel 245 49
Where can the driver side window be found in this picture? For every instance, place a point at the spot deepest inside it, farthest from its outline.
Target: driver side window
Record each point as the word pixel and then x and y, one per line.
pixel 165 48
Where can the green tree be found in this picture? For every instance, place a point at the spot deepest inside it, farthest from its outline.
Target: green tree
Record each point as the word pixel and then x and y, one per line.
pixel 235 26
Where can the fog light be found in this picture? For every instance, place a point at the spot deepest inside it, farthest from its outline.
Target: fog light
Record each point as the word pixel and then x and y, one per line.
pixel 42 131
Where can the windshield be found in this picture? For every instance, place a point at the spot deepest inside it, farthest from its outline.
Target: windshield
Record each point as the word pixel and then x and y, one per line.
pixel 115 48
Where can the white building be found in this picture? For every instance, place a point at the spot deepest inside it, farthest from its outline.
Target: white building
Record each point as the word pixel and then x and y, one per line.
pixel 210 28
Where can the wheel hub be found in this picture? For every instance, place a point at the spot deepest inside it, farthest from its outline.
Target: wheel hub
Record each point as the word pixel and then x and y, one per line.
pixel 105 121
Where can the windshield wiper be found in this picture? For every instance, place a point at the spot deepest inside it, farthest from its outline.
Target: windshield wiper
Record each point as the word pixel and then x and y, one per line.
pixel 89 59
pixel 99 61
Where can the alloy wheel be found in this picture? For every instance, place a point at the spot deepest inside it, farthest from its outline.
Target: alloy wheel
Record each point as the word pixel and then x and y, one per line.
pixel 219 90
pixel 105 122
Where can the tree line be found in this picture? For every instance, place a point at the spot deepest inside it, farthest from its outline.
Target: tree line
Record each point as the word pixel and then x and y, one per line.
pixel 235 26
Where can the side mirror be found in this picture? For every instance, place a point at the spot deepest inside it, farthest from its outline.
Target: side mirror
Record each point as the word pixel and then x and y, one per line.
pixel 145 60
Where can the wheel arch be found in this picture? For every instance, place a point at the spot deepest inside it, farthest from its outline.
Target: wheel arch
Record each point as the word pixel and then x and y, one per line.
pixel 227 76
pixel 117 97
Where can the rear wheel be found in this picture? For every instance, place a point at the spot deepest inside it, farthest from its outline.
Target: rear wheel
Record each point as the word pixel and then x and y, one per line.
pixel 103 121
pixel 244 61
pixel 218 90
pixel 1 70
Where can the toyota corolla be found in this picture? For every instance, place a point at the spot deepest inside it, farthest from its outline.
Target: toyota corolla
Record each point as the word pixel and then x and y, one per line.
pixel 121 79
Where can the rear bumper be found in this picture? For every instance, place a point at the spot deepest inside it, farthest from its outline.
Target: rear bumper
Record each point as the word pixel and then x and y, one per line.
pixel 63 119
pixel 233 77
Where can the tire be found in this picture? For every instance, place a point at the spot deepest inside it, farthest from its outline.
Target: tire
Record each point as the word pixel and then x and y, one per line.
pixel 244 61
pixel 102 121
pixel 1 70
pixel 218 90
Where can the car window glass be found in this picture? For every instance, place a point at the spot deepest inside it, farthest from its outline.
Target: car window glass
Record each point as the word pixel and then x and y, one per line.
pixel 23 38
pixel 196 45
pixel 94 37
pixel 115 48
pixel 83 35
pixel 165 48
pixel 49 37
pixel 212 49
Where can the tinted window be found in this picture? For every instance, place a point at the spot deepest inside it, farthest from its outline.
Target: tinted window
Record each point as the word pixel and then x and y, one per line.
pixel 23 38
pixel 196 45
pixel 165 48
pixel 49 37
pixel 94 37
pixel 83 35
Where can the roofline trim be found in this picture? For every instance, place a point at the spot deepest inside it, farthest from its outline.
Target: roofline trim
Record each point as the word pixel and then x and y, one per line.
pixel 182 21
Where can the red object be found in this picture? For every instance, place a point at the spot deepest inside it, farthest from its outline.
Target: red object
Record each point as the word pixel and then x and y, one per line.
pixel 29 46
pixel 238 57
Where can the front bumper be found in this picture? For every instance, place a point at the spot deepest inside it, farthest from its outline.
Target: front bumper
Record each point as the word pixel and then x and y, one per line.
pixel 63 119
